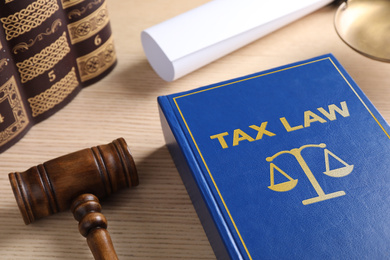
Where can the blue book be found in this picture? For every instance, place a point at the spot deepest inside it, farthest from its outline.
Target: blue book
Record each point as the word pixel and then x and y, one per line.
pixel 289 163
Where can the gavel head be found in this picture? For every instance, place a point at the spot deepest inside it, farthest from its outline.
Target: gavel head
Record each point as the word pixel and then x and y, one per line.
pixel 51 187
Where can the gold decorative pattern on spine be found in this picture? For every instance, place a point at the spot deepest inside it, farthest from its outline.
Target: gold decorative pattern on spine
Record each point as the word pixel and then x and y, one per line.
pixel 26 19
pixel 88 26
pixel 98 61
pixel 23 46
pixel 69 3
pixel 3 63
pixel 9 92
pixel 54 95
pixel 82 10
pixel 45 60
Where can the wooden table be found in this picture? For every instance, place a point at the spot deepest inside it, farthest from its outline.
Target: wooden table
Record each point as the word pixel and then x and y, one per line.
pixel 156 220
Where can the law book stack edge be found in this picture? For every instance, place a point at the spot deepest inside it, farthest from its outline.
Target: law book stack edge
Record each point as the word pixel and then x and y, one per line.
pixel 288 163
pixel 49 51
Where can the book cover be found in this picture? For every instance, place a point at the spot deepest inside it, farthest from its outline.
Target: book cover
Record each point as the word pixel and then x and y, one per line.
pixel 49 51
pixel 289 163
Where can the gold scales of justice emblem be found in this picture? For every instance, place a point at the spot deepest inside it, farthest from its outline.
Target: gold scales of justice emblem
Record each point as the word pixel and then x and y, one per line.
pixel 291 183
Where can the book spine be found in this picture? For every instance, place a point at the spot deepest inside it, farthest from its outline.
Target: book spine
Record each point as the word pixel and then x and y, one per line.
pixel 37 36
pixel 15 119
pixel 88 24
pixel 50 49
pixel 201 196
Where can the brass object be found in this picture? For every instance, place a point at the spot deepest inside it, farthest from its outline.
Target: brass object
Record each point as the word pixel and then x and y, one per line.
pixel 365 26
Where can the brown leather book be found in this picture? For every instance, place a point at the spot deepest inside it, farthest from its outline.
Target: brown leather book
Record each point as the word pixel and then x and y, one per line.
pixel 49 51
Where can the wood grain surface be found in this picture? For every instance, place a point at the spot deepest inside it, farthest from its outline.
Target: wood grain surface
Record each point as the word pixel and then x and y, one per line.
pixel 155 220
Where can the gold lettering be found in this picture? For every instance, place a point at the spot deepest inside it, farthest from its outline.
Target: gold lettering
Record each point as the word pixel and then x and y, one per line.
pixel 287 125
pixel 221 139
pixel 331 115
pixel 261 130
pixel 310 117
pixel 1 119
pixel 240 135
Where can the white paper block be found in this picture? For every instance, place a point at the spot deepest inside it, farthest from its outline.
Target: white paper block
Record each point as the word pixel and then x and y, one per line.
pixel 193 39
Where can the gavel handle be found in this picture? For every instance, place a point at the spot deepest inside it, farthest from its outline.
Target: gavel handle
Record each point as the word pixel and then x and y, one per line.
pixel 93 225
pixel 99 241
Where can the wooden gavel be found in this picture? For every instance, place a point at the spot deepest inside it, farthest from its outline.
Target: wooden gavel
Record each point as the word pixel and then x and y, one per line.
pixel 77 181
